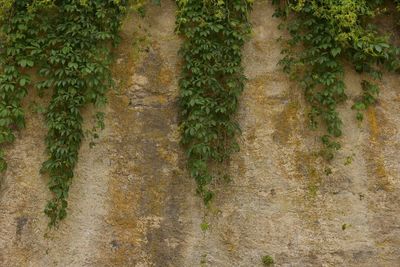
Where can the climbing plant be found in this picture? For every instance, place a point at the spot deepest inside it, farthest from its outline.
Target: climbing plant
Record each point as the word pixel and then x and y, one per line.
pixel 5 6
pixel 17 51
pixel 212 79
pixel 76 66
pixel 324 36
pixel 68 42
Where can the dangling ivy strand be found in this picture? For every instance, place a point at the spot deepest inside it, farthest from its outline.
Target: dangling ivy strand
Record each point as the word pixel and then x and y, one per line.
pixel 324 35
pixel 211 81
pixel 69 44
pixel 78 71
pixel 18 45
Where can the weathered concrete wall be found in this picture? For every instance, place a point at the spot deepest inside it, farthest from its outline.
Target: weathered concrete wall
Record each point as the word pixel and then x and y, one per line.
pixel 132 203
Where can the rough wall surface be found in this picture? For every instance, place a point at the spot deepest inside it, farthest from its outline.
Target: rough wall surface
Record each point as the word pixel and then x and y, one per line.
pixel 132 203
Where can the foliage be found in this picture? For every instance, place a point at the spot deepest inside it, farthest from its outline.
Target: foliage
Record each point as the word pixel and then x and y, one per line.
pixel 17 50
pixel 69 44
pixel 324 35
pixel 211 82
pixel 267 260
pixel 76 64
pixel 204 226
pixel 5 6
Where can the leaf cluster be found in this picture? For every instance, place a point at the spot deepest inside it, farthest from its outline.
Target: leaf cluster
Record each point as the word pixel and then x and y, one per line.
pixel 68 43
pixel 211 81
pixel 324 36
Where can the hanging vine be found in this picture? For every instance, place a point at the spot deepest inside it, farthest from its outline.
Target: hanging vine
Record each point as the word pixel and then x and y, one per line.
pixel 77 68
pixel 325 35
pixel 211 82
pixel 15 57
pixel 69 44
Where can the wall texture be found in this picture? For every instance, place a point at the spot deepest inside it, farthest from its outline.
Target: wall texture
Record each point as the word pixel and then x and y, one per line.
pixel 133 204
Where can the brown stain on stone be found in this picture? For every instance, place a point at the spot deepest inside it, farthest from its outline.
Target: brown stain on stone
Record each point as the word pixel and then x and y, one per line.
pixel 375 161
pixel 166 76
pixel 257 89
pixel 129 226
pixel 308 169
pixel 286 122
pixel 143 191
pixel 130 50
pixel 230 240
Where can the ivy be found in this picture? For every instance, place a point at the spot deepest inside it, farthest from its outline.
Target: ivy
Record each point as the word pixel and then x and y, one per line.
pixel 325 35
pixel 68 42
pixel 211 82
pixel 77 67
pixel 5 6
pixel 17 50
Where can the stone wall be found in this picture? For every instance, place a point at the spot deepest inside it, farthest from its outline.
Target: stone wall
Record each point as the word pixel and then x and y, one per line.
pixel 133 204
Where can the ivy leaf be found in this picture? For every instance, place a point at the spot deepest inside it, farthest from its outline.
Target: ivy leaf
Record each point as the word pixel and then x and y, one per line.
pixel 336 51
pixel 23 81
pixel 25 63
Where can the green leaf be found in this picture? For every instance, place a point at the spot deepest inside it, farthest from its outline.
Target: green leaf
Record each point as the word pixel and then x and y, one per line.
pixel 336 51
